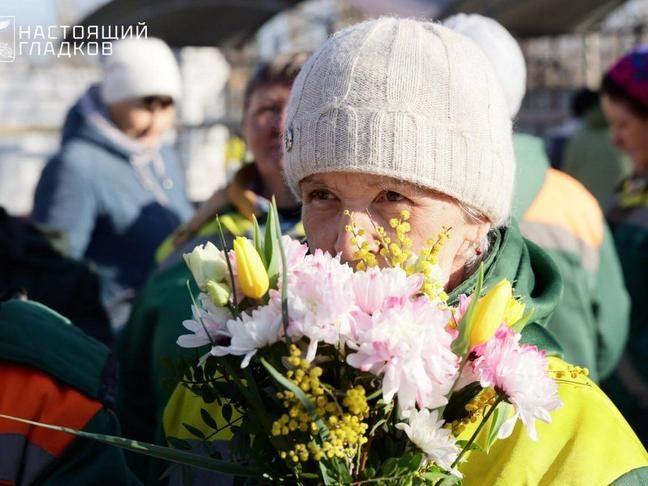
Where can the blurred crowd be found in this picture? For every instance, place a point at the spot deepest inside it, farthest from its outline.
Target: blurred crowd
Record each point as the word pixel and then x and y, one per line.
pixel 111 219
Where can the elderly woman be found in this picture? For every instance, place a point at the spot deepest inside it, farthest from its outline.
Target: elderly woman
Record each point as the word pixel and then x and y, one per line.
pixel 397 114
pixel 625 102
pixel 392 115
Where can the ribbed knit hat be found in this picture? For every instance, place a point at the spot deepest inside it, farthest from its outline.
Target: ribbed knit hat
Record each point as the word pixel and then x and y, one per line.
pixel 138 68
pixel 502 50
pixel 404 99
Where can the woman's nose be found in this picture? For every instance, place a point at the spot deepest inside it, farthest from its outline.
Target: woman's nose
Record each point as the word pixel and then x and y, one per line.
pixel 348 242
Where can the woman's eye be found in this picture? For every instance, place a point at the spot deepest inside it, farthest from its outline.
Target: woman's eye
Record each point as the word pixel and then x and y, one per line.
pixel 392 196
pixel 320 195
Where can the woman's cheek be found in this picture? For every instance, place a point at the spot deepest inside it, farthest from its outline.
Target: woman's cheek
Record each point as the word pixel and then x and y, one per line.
pixel 317 225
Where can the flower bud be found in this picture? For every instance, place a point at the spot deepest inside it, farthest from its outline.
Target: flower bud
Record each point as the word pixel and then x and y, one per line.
pixel 514 312
pixel 207 263
pixel 218 293
pixel 252 274
pixel 490 312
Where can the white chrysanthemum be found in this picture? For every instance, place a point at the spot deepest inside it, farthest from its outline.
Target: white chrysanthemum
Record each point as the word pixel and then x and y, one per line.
pixel 251 332
pixel 425 429
pixel 207 325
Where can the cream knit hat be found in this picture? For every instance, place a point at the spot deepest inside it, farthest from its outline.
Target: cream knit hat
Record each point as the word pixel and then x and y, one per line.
pixel 404 99
pixel 138 68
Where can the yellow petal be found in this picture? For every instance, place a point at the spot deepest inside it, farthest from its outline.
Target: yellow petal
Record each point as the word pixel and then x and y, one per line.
pixel 514 312
pixel 252 275
pixel 490 311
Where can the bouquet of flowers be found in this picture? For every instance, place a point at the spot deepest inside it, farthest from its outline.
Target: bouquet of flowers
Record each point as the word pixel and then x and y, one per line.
pixel 336 374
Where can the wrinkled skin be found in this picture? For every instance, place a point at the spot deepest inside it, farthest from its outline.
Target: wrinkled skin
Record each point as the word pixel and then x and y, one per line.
pixel 369 197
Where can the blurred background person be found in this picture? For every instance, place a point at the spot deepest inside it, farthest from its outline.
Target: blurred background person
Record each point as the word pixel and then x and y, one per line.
pixel 115 187
pixel 625 101
pixel 590 157
pixel 147 349
pixel 558 137
pixel 557 213
pixel 53 373
pixel 30 260
pixel 256 183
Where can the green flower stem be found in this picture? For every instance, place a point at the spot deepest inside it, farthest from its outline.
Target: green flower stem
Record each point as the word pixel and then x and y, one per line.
pixel 229 264
pixel 284 274
pixel 193 301
pixel 229 424
pixel 479 427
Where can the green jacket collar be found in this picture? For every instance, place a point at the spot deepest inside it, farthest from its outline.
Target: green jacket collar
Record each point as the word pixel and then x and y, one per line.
pixel 535 278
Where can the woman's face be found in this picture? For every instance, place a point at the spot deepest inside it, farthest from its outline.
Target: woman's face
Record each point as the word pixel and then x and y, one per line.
pixel 629 131
pixel 146 120
pixel 326 196
pixel 262 128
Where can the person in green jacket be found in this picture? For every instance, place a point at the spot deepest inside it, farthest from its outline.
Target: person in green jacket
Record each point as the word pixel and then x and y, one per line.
pixel 591 158
pixel 392 115
pixel 51 372
pixel 625 102
pixel 147 351
pixel 556 212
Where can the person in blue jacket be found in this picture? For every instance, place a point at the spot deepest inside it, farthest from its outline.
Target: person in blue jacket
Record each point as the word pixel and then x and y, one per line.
pixel 116 188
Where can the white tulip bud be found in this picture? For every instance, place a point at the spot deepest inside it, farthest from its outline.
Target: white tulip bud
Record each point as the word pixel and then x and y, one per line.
pixel 207 263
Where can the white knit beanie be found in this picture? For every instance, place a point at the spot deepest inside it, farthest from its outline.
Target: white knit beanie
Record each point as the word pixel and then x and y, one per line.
pixel 501 49
pixel 404 99
pixel 138 68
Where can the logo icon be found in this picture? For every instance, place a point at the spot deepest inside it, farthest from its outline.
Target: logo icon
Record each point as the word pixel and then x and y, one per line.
pixel 7 39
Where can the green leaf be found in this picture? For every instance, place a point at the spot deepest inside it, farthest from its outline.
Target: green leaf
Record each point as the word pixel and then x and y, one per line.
pixel 389 467
pixel 377 425
pixel 473 447
pixel 369 473
pixel 271 246
pixel 258 241
pixel 194 431
pixel 449 481
pixel 211 367
pixel 524 320
pixel 460 345
pixel 308 405
pixel 284 272
pixel 153 450
pixel 434 476
pixel 226 412
pixel 229 264
pixel 415 461
pixel 499 417
pixel 208 419
pixel 179 443
pixel 326 475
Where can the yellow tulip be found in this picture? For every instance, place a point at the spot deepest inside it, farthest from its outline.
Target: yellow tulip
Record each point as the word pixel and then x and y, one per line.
pixel 252 274
pixel 490 312
pixel 514 312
